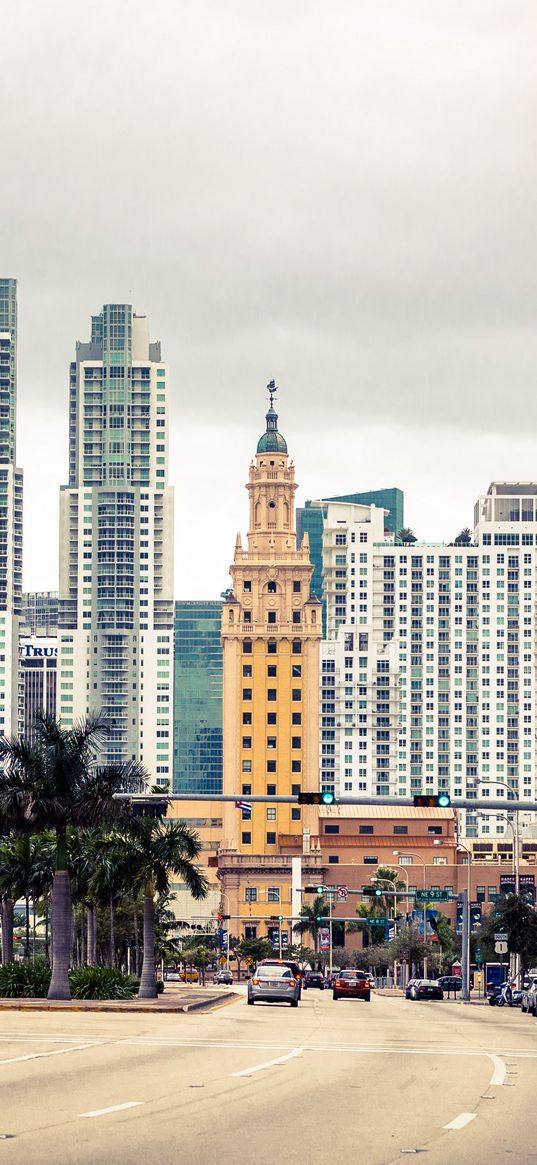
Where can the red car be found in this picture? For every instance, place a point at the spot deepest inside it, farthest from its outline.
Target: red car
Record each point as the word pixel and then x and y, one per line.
pixel 352 985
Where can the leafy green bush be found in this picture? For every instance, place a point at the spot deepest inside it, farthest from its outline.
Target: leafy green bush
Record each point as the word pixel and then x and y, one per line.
pixel 102 983
pixel 160 986
pixel 24 980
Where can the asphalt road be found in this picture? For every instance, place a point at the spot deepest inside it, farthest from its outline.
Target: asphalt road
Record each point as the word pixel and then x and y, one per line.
pixel 323 1084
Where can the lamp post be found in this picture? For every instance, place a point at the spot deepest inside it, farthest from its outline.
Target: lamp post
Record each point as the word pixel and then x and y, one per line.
pixel 515 828
pixel 226 896
pixel 399 853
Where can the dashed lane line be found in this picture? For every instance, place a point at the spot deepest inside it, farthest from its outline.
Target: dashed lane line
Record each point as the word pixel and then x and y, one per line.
pixel 269 1063
pixel 112 1108
pixel 461 1120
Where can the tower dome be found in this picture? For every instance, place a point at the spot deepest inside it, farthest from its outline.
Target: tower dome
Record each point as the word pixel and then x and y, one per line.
pixel 272 441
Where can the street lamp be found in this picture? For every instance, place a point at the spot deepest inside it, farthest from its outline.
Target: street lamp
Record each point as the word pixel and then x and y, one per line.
pixel 399 853
pixel 515 828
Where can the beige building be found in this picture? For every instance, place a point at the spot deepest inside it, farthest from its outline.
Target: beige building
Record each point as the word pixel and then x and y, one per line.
pixel 271 631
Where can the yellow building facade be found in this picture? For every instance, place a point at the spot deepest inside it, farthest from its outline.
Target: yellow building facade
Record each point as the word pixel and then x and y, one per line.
pixel 271 632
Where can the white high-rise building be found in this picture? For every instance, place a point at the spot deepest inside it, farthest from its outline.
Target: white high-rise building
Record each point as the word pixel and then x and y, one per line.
pixel 115 639
pixel 11 483
pixel 429 676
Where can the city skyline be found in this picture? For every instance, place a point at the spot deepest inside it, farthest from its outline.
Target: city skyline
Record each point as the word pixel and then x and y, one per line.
pixel 346 205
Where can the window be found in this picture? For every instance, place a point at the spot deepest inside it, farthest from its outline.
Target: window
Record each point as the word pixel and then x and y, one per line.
pixel 247 693
pixel 297 670
pixel 247 717
pixel 273 894
pixel 246 766
pixel 369 860
pixel 246 790
pixel 333 859
pixel 365 829
pixel 271 695
pixel 296 587
pixel 405 859
pixel 247 647
pixel 296 694
pixel 296 718
pixel 271 742
pixel 271 790
pixel 247 670
pixel 272 670
pixel 331 829
pixel 250 894
pixel 246 837
pixel 295 814
pixel 271 588
pixel 271 766
pixel 297 647
pixel 296 742
pixel 271 718
pixel 400 829
pixel 271 616
pixel 271 813
pixel 247 585
pixel 250 932
pixel 440 860
pixel 296 766
pixel 434 829
pixel 296 616
pixel 295 790
pixel 271 838
pixel 271 647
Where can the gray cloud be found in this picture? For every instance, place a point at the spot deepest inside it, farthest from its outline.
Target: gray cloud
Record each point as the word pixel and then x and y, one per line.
pixel 341 196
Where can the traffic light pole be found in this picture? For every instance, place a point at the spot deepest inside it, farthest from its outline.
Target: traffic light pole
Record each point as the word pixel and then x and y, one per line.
pixel 465 960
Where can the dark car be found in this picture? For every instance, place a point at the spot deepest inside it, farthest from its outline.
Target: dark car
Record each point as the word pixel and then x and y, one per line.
pixel 314 979
pixel 425 989
pixel 352 985
pixel 450 982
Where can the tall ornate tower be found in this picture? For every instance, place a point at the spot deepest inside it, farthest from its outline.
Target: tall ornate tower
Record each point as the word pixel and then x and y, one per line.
pixel 271 630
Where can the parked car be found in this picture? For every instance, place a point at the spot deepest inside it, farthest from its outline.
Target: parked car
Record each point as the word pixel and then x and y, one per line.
pixel 172 976
pixel 274 984
pixel 189 976
pixel 527 1002
pixel 224 977
pixel 314 979
pixel 425 989
pixel 450 982
pixel 352 985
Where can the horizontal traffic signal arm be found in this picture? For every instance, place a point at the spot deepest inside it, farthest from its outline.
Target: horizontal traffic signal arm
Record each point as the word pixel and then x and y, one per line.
pixel 512 803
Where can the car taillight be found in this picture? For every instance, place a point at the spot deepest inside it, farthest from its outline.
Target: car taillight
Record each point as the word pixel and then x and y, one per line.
pixel 292 982
pixel 366 982
pixel 338 983
pixel 255 982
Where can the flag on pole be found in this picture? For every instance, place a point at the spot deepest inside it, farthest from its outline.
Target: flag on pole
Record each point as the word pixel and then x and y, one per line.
pixel 246 807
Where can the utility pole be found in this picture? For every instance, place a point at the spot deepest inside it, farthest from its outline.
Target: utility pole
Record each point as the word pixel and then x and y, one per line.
pixel 465 961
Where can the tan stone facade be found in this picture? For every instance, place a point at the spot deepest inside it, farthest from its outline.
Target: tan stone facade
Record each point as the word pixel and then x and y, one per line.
pixel 271 631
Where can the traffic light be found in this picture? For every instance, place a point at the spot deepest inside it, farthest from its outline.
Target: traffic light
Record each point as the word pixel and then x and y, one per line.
pixel 316 798
pixel 276 917
pixel 313 889
pixel 223 917
pixel 432 801
pixel 378 892
pixel 148 807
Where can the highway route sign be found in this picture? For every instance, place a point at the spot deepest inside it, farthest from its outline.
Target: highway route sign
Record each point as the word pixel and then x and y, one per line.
pixel 500 948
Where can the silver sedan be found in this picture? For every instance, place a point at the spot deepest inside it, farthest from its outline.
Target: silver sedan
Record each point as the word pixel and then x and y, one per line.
pixel 274 985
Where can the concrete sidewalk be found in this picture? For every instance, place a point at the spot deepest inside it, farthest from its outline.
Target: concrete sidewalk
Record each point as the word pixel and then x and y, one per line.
pixel 176 1001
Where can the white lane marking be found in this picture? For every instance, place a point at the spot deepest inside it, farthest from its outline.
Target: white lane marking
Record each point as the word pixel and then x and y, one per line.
pixel 461 1120
pixel 113 1108
pixel 269 1063
pixel 500 1070
pixel 56 1052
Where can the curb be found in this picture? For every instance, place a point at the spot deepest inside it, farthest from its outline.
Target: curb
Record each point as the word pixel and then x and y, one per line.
pixel 116 1006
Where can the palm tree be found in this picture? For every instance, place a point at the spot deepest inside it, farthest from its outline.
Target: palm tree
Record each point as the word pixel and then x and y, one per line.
pixel 405 537
pixel 312 918
pixel 464 538
pixel 26 871
pixel 147 854
pixel 51 784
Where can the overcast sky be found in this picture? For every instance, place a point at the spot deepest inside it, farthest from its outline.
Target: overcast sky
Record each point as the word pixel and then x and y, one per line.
pixel 337 195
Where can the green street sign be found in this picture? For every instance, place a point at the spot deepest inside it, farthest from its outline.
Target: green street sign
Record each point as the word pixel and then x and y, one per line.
pixel 432 896
pixel 376 921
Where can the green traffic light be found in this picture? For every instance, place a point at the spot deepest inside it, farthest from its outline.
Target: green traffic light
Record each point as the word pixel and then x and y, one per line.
pixel 320 889
pixel 378 892
pixel 328 798
pixel 444 800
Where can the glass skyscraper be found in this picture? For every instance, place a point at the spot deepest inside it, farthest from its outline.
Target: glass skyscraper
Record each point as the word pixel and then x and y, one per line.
pixel 10 512
pixel 116 544
pixel 197 727
pixel 311 518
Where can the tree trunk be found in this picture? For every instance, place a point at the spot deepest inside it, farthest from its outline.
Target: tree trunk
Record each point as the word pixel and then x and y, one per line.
pixel 112 934
pixel 148 985
pixel 7 930
pixel 62 923
pixel 90 955
pixel 27 934
pixel 136 942
pixel 47 929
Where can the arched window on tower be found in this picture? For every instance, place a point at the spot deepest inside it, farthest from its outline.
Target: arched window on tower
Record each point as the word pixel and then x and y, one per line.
pixel 271 588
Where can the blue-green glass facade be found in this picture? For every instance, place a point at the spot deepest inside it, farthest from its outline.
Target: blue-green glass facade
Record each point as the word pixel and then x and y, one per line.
pixel 197 729
pixel 310 518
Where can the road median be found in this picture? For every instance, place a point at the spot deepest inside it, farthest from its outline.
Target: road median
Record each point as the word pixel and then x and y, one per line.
pixel 173 1004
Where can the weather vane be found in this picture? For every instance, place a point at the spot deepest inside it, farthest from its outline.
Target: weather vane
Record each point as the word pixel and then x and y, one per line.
pixel 272 389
